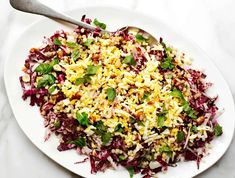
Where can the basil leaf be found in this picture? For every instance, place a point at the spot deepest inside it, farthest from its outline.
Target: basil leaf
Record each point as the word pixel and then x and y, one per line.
pixel 75 54
pixel 218 130
pixel 99 24
pixel 118 128
pixel 88 42
pixel 111 93
pixel 106 137
pixel 57 42
pixel 129 60
pixel 132 120
pixel 71 44
pixel 91 70
pixel 131 171
pixel 82 118
pixel 80 142
pixel 47 79
pixel 139 38
pixel 180 136
pixel 160 121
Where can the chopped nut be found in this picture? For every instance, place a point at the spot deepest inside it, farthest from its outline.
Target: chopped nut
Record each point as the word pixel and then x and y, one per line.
pixel 200 120
pixel 26 78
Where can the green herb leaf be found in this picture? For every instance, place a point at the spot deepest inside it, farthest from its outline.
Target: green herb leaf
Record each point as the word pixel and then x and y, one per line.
pixel 82 118
pixel 91 70
pixel 44 68
pixel 111 93
pixel 99 24
pixel 146 96
pixel 167 64
pixel 132 120
pixel 106 137
pixel 140 123
pixel 118 128
pixel 57 42
pixel 165 149
pixel 180 136
pixel 100 126
pixel 121 157
pixel 194 129
pixel 75 54
pixel 51 89
pixel 82 80
pixel 56 124
pixel 160 121
pixel 47 79
pixel 131 171
pixel 80 142
pixel 129 60
pixel 176 93
pixel 71 44
pixel 139 38
pixel 218 130
pixel 169 50
pixel 88 42
pixel 54 61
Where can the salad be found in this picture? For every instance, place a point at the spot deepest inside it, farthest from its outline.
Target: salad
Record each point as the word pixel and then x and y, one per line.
pixel 120 100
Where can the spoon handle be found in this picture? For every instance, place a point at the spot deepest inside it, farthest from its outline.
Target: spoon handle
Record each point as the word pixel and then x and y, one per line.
pixel 35 7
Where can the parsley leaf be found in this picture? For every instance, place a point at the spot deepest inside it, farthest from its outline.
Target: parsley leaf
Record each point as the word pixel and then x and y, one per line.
pixel 194 129
pixel 84 79
pixel 91 70
pixel 57 124
pixel 51 89
pixel 139 38
pixel 186 107
pixel 71 44
pixel 99 24
pixel 180 136
pixel 47 79
pixel 44 68
pixel 105 137
pixel 75 54
pixel 131 171
pixel 160 121
pixel 167 64
pixel 82 118
pixel 57 42
pixel 80 142
pixel 111 93
pixel 118 128
pixel 121 157
pixel 218 130
pixel 165 149
pixel 146 96
pixel 129 60
pixel 88 42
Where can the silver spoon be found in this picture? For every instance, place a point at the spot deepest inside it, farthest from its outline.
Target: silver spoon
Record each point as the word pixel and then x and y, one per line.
pixel 35 7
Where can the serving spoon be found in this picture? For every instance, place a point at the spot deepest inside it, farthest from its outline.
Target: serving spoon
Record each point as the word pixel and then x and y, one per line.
pixel 35 7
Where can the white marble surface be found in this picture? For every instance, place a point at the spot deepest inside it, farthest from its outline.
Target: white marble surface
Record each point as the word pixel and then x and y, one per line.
pixel 210 23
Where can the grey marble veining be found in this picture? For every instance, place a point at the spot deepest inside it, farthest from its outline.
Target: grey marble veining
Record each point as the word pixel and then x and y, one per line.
pixel 211 24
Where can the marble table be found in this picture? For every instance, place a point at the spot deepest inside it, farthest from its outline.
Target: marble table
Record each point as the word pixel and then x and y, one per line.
pixel 210 23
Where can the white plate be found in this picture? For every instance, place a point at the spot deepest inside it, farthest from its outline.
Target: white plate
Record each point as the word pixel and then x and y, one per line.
pixel 31 122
